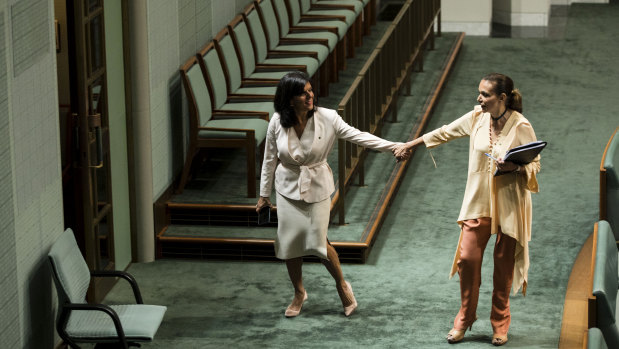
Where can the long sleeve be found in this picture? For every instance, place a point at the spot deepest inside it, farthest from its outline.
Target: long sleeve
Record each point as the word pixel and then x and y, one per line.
pixel 366 139
pixel 270 160
pixel 529 175
pixel 456 129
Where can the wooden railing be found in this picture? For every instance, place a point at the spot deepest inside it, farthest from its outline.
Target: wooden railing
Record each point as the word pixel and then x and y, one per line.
pixel 375 90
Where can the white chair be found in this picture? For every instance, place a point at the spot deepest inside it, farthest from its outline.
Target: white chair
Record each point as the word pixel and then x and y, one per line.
pixel 81 322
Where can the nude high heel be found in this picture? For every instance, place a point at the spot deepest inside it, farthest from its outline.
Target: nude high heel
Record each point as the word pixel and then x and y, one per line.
pixel 498 340
pixel 295 312
pixel 455 336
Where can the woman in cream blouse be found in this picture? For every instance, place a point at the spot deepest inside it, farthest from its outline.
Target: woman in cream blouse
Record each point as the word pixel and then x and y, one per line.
pixel 492 205
pixel 299 139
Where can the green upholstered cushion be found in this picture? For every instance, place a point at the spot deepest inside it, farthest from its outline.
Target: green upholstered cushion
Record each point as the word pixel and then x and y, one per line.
pixel 260 40
pixel 268 75
pixel 139 321
pixel 358 4
pixel 611 164
pixel 246 48
pixel 284 26
pixel 250 106
pixel 332 38
pixel 214 69
pixel 595 339
pixel 296 10
pixel 322 51
pixel 266 90
pixel 258 125
pixel 71 274
pixel 350 16
pixel 342 27
pixel 310 63
pixel 284 18
pixel 605 283
pixel 232 62
pixel 200 92
pixel 270 21
pixel 611 161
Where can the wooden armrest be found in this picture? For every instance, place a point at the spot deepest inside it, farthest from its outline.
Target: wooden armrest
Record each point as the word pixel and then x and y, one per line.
pixel 250 97
pixel 304 41
pixel 301 29
pixel 280 67
pixel 258 82
pixel 333 6
pixel 239 114
pixel 318 18
pixel 261 81
pixel 279 54
pixel 223 129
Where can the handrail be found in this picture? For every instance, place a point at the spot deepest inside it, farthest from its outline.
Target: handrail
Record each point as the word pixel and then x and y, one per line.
pixel 374 91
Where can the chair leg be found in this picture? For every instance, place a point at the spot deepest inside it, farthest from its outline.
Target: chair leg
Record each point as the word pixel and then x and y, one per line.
pixel 251 166
pixel 340 52
pixel 325 78
pixel 359 30
pixel 191 153
pixel 372 12
pixel 350 43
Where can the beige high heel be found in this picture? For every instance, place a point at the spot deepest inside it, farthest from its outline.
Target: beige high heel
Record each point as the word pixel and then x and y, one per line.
pixel 455 336
pixel 348 310
pixel 295 312
pixel 498 340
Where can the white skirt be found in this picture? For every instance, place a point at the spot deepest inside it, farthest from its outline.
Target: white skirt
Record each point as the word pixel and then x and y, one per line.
pixel 302 228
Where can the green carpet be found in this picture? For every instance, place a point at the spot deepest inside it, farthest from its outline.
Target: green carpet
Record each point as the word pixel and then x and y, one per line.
pixel 405 298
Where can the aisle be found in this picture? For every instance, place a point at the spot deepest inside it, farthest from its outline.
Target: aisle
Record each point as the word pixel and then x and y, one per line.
pixel 405 297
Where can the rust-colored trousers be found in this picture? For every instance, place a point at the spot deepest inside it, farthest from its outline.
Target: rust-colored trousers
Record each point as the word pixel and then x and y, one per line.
pixel 475 236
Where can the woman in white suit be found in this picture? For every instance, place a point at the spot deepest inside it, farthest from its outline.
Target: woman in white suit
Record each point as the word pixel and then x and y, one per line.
pixel 299 139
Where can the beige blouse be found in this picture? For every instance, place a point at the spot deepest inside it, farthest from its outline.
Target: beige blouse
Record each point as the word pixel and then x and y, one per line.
pixel 506 199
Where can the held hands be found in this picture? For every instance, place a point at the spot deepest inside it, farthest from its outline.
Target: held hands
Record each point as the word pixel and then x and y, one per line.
pixel 263 201
pixel 401 152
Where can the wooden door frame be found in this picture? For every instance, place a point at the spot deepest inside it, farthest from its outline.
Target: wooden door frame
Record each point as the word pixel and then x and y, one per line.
pixel 90 214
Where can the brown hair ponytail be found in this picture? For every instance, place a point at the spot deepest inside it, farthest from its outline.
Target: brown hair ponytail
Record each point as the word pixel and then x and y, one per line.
pixel 504 84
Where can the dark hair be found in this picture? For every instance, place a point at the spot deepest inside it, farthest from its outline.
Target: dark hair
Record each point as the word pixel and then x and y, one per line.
pixel 291 85
pixel 504 84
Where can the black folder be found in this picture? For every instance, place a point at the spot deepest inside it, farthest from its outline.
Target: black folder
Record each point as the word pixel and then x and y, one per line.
pixel 523 154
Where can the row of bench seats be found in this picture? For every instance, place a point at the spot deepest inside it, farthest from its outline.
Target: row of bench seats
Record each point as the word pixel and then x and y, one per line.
pixel 603 331
pixel 609 183
pixel 231 82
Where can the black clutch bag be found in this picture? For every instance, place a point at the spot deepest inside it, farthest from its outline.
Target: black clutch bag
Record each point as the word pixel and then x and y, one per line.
pixel 264 216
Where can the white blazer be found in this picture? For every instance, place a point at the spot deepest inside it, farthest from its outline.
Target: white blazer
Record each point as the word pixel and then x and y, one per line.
pixel 310 180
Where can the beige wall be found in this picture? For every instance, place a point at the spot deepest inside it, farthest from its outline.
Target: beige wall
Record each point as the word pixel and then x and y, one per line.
pixel 31 213
pixel 521 12
pixel 473 17
pixel 31 181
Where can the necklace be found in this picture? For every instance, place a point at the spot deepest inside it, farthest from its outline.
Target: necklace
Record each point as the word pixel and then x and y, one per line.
pixel 500 117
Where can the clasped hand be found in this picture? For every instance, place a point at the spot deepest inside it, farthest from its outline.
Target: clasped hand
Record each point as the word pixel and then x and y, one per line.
pixel 401 152
pixel 505 166
pixel 263 201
